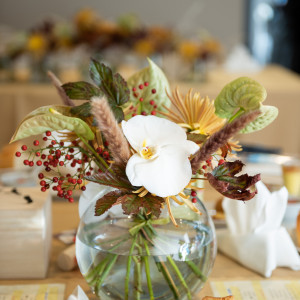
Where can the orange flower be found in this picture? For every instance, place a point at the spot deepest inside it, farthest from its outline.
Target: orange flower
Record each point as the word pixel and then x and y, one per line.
pixel 195 114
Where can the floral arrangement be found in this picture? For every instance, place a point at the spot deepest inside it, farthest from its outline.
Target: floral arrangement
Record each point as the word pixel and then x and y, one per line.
pixel 47 43
pixel 116 139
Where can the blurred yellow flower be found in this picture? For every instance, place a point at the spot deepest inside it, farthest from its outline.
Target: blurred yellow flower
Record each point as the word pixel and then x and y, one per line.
pixel 37 44
pixel 189 50
pixel 85 19
pixel 144 47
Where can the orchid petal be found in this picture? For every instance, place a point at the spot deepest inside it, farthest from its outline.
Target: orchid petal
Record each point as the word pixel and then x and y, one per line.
pixel 168 174
pixel 156 131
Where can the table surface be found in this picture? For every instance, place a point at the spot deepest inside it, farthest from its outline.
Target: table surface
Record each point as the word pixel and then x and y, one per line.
pixel 224 268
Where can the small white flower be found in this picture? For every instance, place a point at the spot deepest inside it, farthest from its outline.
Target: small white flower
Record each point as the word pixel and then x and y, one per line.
pixel 161 162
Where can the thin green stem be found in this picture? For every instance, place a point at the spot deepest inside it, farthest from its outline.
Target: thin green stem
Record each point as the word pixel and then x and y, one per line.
pixel 196 270
pixel 97 156
pixel 128 267
pixel 118 244
pixel 179 275
pixel 192 266
pixel 236 115
pixel 92 275
pixel 106 270
pixel 147 269
pixel 137 277
pixel 164 270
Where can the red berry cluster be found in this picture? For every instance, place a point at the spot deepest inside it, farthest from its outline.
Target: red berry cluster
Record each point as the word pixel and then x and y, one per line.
pixel 194 195
pixel 56 155
pixel 141 103
pixel 208 166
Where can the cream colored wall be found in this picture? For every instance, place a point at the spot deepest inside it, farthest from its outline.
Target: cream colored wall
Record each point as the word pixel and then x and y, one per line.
pixel 222 18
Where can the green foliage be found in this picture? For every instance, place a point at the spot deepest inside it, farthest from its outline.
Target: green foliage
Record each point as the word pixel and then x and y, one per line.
pixel 48 118
pixel 156 80
pixel 82 111
pixel 243 94
pixel 132 204
pixel 267 116
pixel 241 187
pixel 196 138
pixel 113 86
pixel 81 90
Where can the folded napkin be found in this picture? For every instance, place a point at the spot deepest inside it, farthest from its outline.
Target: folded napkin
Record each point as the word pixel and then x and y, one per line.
pixel 78 294
pixel 255 237
pixel 240 60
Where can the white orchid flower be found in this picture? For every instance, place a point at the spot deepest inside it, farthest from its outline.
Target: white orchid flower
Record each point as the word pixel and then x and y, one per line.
pixel 160 163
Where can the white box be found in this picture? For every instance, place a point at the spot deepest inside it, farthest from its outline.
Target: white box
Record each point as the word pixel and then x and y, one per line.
pixel 25 232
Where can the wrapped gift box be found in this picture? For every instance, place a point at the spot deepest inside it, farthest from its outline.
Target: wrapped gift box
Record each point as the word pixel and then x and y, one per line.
pixel 25 232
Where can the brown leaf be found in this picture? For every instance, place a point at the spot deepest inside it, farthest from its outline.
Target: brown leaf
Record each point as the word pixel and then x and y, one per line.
pixel 117 180
pixel 241 187
pixel 132 204
pixel 107 201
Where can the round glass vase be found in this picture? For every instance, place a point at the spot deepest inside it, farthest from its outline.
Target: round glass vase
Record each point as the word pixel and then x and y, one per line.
pixel 139 257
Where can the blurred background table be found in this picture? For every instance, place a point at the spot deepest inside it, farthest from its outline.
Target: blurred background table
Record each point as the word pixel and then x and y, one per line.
pixel 65 217
pixel 283 89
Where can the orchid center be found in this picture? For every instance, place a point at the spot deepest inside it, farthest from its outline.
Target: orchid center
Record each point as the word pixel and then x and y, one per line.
pixel 148 152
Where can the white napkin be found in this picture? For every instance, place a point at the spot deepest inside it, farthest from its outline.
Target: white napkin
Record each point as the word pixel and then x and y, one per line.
pixel 78 294
pixel 240 60
pixel 255 237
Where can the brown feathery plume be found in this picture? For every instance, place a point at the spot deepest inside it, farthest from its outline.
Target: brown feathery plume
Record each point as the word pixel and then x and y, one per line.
pixel 220 138
pixel 64 97
pixel 108 125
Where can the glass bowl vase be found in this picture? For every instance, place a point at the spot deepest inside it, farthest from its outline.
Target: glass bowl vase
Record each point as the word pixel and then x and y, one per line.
pixel 139 257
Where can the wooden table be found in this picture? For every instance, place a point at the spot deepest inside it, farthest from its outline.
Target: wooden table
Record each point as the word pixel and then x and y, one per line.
pixel 65 216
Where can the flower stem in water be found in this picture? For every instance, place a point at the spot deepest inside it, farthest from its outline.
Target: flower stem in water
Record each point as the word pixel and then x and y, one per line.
pixel 196 270
pixel 179 275
pixel 112 260
pixel 137 278
pixel 147 269
pixel 128 268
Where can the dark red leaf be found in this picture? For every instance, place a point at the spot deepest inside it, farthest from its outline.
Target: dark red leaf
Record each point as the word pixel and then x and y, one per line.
pixel 132 204
pixel 107 201
pixel 117 180
pixel 241 187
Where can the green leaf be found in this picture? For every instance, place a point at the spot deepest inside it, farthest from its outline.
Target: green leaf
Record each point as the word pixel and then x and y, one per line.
pixel 107 201
pixel 82 111
pixel 112 85
pixel 157 81
pixel 39 123
pixel 243 94
pixel 223 179
pixel 81 90
pixel 64 110
pixel 267 116
pixel 132 204
pixel 196 138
